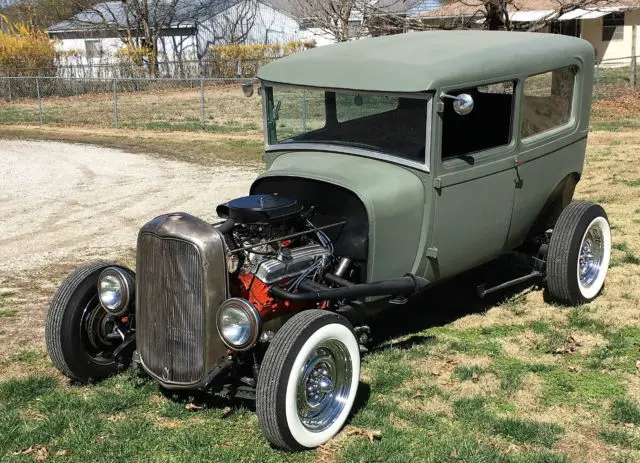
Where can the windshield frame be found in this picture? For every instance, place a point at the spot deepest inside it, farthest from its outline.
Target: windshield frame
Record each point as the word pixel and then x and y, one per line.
pixel 346 149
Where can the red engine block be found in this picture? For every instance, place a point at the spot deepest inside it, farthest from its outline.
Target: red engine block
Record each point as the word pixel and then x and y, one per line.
pixel 249 287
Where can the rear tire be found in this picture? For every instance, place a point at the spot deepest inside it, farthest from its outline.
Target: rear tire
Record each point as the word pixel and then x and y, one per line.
pixel 579 253
pixel 308 380
pixel 75 306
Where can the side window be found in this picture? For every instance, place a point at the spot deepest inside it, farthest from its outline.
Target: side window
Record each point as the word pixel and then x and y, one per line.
pixel 547 101
pixel 487 126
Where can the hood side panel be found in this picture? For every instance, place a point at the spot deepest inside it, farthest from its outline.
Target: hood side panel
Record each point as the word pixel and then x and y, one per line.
pixel 393 198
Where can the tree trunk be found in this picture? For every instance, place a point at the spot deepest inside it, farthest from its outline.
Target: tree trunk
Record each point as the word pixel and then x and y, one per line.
pixel 497 16
pixel 345 14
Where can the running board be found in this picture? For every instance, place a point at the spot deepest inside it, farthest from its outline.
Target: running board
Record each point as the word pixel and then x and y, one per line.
pixel 483 291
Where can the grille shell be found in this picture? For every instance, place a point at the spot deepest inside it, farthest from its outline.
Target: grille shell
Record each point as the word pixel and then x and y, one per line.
pixel 181 282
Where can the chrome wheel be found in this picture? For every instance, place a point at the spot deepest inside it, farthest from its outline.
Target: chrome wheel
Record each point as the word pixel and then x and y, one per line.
pixel 591 258
pixel 324 385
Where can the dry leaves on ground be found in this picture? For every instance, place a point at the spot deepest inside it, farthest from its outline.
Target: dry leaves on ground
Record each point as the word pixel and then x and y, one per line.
pixel 192 406
pixel 39 452
pixel 568 349
pixel 371 434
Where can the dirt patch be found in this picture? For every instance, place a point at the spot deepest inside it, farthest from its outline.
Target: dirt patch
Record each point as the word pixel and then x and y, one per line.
pixel 63 202
pixel 527 396
pixel 64 205
pixel 530 307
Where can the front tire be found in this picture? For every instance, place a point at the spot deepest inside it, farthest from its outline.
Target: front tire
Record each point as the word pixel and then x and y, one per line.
pixel 308 380
pixel 75 328
pixel 579 253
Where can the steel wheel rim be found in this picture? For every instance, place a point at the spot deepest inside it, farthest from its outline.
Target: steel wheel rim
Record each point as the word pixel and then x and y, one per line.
pixel 324 385
pixel 92 333
pixel 591 257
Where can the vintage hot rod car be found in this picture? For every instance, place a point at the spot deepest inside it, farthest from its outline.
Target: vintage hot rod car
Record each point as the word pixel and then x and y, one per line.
pixel 393 164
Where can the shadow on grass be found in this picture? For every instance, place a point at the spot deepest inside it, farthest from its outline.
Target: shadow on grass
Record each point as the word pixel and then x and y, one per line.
pixel 449 301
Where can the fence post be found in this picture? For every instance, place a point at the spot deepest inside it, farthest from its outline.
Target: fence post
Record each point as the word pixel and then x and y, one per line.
pixel 39 99
pixel 9 82
pixel 115 103
pixel 202 103
pixel 633 56
pixel 595 96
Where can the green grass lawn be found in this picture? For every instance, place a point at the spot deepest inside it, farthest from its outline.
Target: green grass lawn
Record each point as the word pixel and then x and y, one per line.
pixel 441 394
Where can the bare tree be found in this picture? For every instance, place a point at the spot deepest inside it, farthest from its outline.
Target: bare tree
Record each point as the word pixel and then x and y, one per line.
pixel 348 19
pixel 235 24
pixel 43 13
pixel 495 14
pixel 142 24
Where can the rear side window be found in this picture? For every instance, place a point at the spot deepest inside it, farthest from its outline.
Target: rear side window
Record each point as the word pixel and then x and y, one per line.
pixel 548 100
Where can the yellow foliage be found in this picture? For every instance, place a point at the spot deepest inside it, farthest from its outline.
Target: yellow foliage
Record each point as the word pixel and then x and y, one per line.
pixel 244 60
pixel 133 55
pixel 24 50
pixel 250 51
pixel 298 45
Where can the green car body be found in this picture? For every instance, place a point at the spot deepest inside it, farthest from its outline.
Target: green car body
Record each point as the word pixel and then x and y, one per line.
pixel 392 164
pixel 443 217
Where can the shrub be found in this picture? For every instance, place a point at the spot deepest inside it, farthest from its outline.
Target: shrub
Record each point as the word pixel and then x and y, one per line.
pixel 244 60
pixel 25 50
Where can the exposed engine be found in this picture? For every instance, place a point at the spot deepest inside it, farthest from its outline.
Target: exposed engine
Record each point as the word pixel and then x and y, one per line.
pixel 272 240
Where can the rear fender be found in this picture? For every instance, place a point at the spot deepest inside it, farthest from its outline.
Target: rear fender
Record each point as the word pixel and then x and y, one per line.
pixel 559 198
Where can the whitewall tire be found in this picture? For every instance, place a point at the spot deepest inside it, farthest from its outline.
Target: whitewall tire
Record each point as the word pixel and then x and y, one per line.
pixel 579 253
pixel 308 380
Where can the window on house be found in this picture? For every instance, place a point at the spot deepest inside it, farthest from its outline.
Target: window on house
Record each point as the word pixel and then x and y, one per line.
pixel 547 101
pixel 570 27
pixel 487 126
pixel 93 48
pixel 613 27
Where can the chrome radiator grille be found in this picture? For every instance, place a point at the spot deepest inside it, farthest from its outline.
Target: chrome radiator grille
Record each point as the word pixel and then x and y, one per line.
pixel 171 309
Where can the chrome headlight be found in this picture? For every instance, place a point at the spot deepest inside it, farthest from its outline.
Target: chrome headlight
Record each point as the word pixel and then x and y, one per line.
pixel 115 290
pixel 239 323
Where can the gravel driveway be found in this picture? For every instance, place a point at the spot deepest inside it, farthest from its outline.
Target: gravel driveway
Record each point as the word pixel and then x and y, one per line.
pixel 65 202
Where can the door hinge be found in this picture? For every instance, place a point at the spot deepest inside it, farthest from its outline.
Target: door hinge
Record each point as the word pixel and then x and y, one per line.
pixel 437 182
pixel 432 253
pixel 440 106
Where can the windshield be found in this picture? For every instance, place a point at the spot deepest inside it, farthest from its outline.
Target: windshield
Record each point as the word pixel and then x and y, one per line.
pixel 379 122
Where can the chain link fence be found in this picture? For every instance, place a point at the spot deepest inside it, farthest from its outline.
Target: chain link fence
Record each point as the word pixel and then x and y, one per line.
pixel 614 77
pixel 193 103
pixel 173 104
pixel 212 67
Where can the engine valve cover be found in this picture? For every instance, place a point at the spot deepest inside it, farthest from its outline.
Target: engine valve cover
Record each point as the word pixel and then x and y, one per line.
pixel 273 270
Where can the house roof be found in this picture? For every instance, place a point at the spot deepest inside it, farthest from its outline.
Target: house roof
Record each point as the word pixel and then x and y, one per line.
pixel 307 9
pixel 469 8
pixel 112 15
pixel 423 61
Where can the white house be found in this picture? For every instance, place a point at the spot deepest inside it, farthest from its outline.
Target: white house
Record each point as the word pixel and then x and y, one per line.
pixel 607 25
pixel 93 37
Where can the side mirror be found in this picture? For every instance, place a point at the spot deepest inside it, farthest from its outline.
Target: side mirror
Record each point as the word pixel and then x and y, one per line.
pixel 462 104
pixel 247 89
